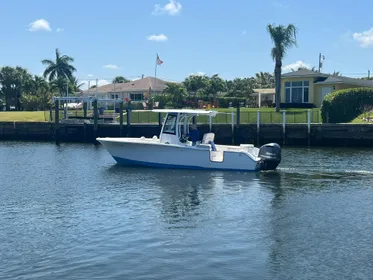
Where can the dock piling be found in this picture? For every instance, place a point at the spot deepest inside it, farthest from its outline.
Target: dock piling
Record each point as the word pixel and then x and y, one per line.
pixel 57 121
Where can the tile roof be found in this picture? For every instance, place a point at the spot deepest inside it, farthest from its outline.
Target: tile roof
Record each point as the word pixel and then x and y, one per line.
pixel 330 79
pixel 346 80
pixel 303 73
pixel 132 86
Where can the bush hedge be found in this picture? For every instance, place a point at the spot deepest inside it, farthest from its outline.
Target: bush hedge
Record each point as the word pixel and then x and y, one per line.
pixel 343 106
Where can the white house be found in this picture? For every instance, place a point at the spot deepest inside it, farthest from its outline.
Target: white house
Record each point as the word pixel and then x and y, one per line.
pixel 133 90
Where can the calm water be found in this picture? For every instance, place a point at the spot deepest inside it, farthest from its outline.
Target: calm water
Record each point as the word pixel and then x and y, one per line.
pixel 69 212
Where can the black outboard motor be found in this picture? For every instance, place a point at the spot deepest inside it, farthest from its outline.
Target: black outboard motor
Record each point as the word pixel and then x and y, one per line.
pixel 270 155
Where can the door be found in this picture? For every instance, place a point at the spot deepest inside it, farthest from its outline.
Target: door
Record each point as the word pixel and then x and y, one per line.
pixel 324 92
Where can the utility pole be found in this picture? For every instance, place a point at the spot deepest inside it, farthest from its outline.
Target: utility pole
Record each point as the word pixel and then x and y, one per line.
pixel 368 74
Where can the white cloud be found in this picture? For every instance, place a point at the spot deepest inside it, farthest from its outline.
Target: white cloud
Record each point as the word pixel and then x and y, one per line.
pixel 197 74
pixel 159 38
pixel 111 66
pixel 172 8
pixel 295 66
pixel 60 29
pixel 39 25
pixel 365 38
pixel 93 83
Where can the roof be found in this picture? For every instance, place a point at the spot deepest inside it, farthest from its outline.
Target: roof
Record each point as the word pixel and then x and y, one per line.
pixel 187 111
pixel 346 80
pixel 304 73
pixel 330 79
pixel 265 90
pixel 132 86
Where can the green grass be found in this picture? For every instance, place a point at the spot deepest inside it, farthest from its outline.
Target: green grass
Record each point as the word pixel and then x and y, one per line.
pixel 38 116
pixel 247 115
pixel 360 119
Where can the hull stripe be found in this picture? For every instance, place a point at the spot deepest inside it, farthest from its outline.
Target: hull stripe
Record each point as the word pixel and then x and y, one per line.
pixel 124 161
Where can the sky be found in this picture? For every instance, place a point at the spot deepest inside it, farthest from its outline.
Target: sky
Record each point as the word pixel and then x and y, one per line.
pixel 111 38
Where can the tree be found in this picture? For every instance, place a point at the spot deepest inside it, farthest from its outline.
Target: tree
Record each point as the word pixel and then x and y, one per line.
pixel 176 93
pixel 61 67
pixel 283 38
pixel 75 85
pixel 60 85
pixel 265 80
pixel 59 72
pixel 240 87
pixel 14 82
pixel 120 79
pixel 196 84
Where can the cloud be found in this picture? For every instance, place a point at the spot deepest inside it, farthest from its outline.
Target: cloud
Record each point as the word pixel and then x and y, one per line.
pixel 93 83
pixel 197 74
pixel 365 38
pixel 172 8
pixel 295 66
pixel 39 25
pixel 111 66
pixel 60 29
pixel 159 38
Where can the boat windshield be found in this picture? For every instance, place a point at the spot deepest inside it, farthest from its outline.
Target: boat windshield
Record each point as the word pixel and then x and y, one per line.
pixel 170 124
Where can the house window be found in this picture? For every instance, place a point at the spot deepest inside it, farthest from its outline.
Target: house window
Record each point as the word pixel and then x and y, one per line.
pixel 136 96
pixel 297 92
pixel 170 125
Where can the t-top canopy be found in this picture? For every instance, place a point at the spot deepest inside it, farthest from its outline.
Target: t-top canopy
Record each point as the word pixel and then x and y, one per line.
pixel 187 111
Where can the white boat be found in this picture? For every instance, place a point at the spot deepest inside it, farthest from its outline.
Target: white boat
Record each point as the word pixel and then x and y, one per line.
pixel 173 150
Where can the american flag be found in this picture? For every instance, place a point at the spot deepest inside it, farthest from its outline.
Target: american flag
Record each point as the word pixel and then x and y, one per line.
pixel 159 61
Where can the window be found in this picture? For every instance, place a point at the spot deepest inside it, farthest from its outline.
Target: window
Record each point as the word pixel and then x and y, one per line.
pixel 136 96
pixel 297 92
pixel 170 125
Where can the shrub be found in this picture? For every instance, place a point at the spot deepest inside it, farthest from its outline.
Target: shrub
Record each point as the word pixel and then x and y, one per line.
pixel 345 105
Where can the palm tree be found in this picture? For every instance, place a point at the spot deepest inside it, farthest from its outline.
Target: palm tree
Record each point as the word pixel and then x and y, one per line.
pixel 283 38
pixel 75 85
pixel 60 68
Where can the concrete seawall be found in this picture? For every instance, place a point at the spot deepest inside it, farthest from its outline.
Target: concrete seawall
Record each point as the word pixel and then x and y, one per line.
pixel 295 134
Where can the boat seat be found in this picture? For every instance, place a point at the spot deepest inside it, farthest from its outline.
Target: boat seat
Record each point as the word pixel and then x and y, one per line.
pixel 207 137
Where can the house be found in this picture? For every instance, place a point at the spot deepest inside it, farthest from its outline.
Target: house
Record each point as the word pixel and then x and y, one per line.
pixel 133 90
pixel 306 86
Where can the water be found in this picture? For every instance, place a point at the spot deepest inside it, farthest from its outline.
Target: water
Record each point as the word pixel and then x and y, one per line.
pixel 69 212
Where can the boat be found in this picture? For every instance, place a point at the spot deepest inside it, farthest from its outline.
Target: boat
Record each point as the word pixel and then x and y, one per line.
pixel 173 148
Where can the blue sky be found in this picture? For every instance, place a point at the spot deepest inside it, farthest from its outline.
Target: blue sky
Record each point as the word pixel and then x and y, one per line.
pixel 110 38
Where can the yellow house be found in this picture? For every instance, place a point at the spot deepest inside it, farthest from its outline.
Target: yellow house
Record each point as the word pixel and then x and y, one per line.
pixel 306 86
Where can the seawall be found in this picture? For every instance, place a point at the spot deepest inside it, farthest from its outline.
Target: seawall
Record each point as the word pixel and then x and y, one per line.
pixel 349 135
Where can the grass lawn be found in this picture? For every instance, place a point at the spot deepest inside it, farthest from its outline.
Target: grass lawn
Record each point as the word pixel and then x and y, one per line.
pixel 247 115
pixel 38 116
pixel 360 119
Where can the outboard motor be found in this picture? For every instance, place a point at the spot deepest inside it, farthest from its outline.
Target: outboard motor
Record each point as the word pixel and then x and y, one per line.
pixel 270 155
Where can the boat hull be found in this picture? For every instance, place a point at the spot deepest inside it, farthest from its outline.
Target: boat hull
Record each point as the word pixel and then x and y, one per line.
pixel 159 155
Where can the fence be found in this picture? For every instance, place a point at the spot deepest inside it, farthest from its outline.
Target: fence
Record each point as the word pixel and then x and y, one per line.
pixel 224 117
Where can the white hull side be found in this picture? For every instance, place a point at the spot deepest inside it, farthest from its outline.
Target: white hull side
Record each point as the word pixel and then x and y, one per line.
pixel 151 153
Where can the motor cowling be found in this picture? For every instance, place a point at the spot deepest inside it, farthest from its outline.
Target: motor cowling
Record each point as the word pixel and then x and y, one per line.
pixel 270 155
